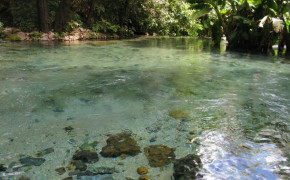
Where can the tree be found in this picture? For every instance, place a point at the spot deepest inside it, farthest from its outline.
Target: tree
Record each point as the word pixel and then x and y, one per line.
pixel 43 15
pixel 63 15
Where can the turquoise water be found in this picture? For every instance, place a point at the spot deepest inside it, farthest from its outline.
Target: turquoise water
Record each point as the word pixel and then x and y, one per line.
pixel 237 106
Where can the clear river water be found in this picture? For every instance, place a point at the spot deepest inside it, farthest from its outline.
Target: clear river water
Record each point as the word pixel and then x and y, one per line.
pixel 231 109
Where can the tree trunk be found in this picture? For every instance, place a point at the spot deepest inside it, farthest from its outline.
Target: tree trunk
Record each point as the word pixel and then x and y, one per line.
pixel 91 17
pixel 42 15
pixel 62 15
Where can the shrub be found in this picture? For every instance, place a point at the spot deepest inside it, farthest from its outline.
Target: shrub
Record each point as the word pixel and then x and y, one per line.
pixel 36 35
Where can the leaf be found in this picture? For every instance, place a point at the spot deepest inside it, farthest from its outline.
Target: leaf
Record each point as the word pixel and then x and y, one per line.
pixel 201 13
pixel 233 36
pixel 245 20
pixel 273 11
pixel 224 11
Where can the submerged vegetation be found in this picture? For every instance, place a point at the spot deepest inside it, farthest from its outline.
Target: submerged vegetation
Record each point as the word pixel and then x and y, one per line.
pixel 246 24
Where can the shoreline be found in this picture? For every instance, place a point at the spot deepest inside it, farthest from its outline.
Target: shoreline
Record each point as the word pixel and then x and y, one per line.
pixel 78 34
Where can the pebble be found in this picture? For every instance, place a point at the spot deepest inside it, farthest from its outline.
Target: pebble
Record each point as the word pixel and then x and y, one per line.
pixel 44 152
pixel 60 170
pixel 142 170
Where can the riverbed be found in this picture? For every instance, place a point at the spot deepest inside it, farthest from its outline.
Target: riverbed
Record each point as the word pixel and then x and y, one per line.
pixel 231 109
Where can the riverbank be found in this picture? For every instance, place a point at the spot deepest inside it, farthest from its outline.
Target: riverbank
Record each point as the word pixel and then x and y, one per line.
pixel 15 34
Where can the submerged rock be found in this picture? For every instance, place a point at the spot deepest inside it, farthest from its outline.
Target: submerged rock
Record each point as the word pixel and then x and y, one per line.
pixel 101 170
pixel 68 129
pixel 159 155
pixel 68 178
pixel 142 170
pixel 186 168
pixel 44 152
pixel 2 168
pixel 79 165
pixel 58 109
pixel 95 177
pixel 89 146
pixel 178 114
pixel 30 161
pixel 60 170
pixel 144 177
pixel 86 156
pixel 118 144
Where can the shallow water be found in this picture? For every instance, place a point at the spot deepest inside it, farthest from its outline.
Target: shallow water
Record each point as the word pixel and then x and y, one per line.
pixel 238 105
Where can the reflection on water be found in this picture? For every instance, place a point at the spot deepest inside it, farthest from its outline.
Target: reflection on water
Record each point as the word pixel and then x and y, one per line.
pixel 232 109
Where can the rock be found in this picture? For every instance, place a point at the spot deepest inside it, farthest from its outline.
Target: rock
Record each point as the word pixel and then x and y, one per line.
pixel 101 170
pixel 86 156
pixel 58 109
pixel 286 61
pixel 153 139
pixel 119 144
pixel 2 168
pixel 51 36
pixel 68 178
pixel 79 165
pixel 178 114
pixel 11 30
pixel 123 156
pixel 187 167
pixel 44 37
pixel 68 128
pixel 142 170
pixel 144 177
pixel 44 152
pixel 89 146
pixel 95 177
pixel 60 170
pixel 159 155
pixel 21 35
pixel 30 161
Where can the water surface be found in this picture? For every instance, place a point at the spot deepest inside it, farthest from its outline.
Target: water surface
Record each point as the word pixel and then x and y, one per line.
pixel 238 105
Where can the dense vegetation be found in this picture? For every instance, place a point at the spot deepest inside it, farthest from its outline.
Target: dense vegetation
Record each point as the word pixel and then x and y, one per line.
pixel 247 24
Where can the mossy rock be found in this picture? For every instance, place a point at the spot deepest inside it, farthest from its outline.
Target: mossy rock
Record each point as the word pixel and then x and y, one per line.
pixel 159 155
pixel 142 170
pixel 89 146
pixel 187 167
pixel 118 144
pixel 11 37
pixel 178 114
pixel 86 156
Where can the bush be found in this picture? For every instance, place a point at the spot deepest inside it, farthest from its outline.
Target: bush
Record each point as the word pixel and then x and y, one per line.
pixel 36 35
pixel 105 27
pixel 74 23
pixel 24 15
pixel 173 18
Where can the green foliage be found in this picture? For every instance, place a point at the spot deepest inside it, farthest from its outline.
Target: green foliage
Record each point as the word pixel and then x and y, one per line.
pixel 1 26
pixel 74 23
pixel 174 17
pixel 36 35
pixel 11 37
pixel 56 35
pixel 24 14
pixel 105 27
